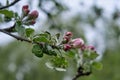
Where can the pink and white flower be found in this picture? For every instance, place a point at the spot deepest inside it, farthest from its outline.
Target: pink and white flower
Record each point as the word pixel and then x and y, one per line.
pixel 77 43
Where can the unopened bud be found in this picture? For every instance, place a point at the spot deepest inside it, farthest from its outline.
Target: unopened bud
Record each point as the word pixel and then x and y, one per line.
pixel 66 39
pixel 77 43
pixel 25 7
pixel 33 15
pixel 91 48
pixel 69 34
pixel 25 10
pixel 67 47
pixel 83 47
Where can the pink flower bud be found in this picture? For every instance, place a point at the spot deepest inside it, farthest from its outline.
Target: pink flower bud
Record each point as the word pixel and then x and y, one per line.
pixel 69 34
pixel 67 47
pixel 33 15
pixel 77 43
pixel 25 7
pixel 25 10
pixel 66 39
pixel 91 48
pixel 84 47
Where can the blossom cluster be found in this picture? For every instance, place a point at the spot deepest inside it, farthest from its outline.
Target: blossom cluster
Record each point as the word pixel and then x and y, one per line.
pixel 31 17
pixel 77 43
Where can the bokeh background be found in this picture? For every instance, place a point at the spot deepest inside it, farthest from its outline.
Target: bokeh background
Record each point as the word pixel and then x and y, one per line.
pixel 96 21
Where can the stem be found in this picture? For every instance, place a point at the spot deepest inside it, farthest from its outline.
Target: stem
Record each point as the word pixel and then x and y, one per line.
pixel 10 29
pixel 80 61
pixel 24 39
pixel 14 2
pixel 16 37
pixel 80 70
pixel 80 73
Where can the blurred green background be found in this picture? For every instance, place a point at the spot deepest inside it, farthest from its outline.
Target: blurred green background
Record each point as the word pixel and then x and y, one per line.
pixel 95 25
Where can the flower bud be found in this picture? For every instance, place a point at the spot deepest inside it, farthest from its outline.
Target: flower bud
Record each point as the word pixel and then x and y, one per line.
pixel 77 43
pixel 92 48
pixel 69 34
pixel 67 47
pixel 25 10
pixel 33 15
pixel 66 39
pixel 84 47
pixel 25 7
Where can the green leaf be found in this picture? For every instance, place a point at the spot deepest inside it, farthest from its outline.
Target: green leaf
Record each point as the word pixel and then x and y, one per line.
pixel 7 13
pixel 40 39
pixel 58 35
pixel 50 65
pixel 60 69
pixel 86 54
pixel 20 28
pixel 93 55
pixel 87 66
pixel 52 52
pixel 7 19
pixel 16 16
pixel 71 53
pixel 59 62
pixel 18 23
pixel 46 34
pixel 29 32
pixel 97 65
pixel 49 50
pixel 37 51
pixel 90 54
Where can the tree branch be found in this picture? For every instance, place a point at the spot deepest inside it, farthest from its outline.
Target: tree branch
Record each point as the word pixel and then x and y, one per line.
pixel 16 37
pixel 81 73
pixel 27 40
pixel 14 2
pixel 9 29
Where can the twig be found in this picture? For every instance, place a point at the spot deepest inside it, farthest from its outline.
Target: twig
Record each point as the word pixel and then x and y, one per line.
pixel 80 73
pixel 14 2
pixel 21 38
pixel 16 37
pixel 10 29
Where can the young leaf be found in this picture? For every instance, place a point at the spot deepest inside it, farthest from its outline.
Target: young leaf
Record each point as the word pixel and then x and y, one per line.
pixel 40 39
pixel 58 35
pixel 93 55
pixel 86 54
pixel 50 65
pixel 7 13
pixel 71 53
pixel 37 51
pixel 59 62
pixel 7 19
pixel 20 28
pixel 29 32
pixel 60 69
pixel 97 65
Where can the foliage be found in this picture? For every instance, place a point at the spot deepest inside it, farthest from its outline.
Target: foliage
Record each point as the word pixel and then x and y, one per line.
pixel 59 49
